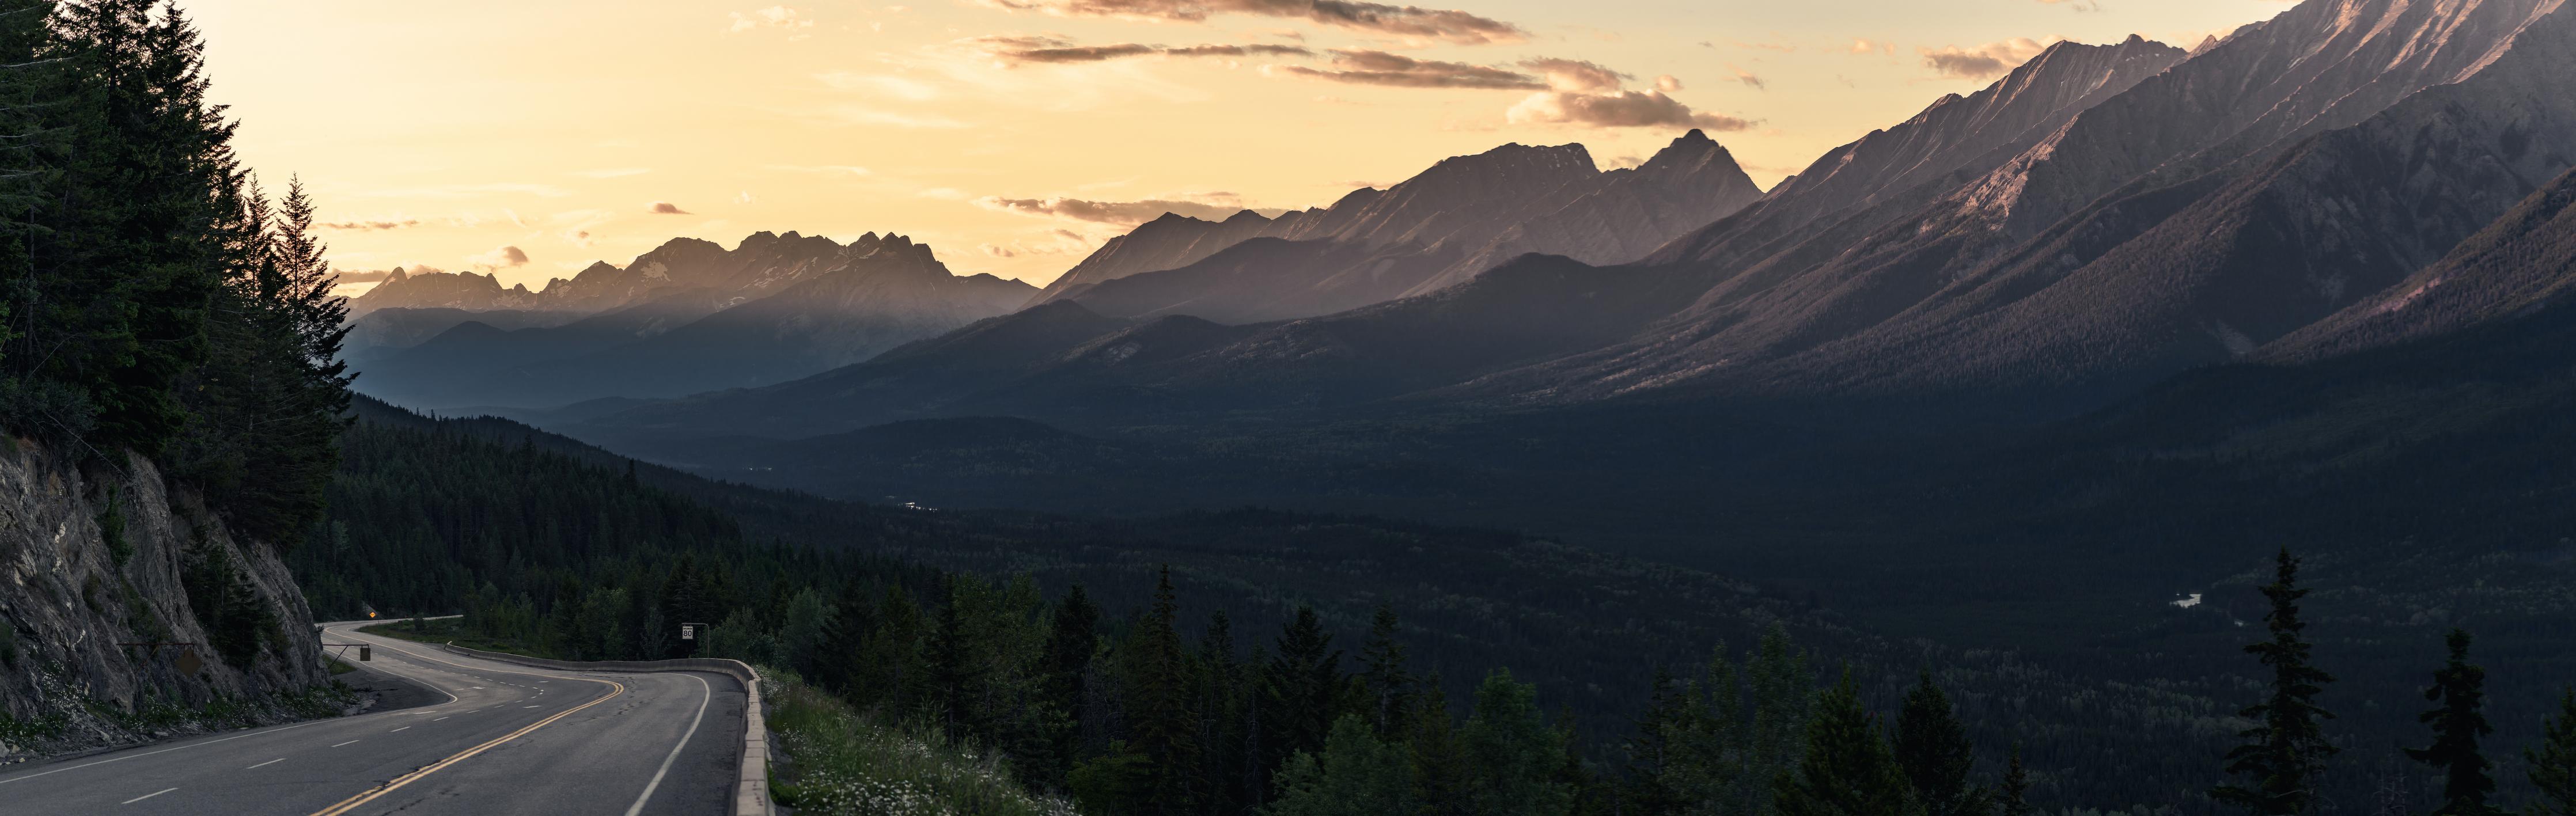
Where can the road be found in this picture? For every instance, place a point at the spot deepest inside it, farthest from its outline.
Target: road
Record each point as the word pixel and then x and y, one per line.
pixel 496 739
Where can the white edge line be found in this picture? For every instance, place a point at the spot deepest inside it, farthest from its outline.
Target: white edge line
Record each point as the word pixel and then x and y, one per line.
pixel 147 796
pixel 268 763
pixel 708 696
pixel 167 750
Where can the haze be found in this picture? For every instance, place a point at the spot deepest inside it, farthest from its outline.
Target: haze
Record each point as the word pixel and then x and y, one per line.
pixel 531 139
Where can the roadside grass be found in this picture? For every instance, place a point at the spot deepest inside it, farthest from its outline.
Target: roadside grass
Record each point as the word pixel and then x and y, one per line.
pixel 840 761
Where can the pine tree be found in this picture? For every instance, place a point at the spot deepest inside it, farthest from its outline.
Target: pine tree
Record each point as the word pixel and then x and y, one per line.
pixel 2459 720
pixel 1783 691
pixel 1933 748
pixel 1299 690
pixel 1063 662
pixel 2552 765
pixel 2286 750
pixel 1513 757
pixel 885 672
pixel 28 79
pixel 1160 722
pixel 1223 689
pixel 845 633
pixel 1389 690
pixel 1711 764
pixel 127 276
pixel 1440 763
pixel 2015 795
pixel 950 670
pixel 1356 774
pixel 265 405
pixel 1848 769
pixel 1652 769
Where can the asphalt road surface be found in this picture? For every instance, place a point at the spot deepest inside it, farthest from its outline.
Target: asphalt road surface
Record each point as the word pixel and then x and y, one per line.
pixel 492 738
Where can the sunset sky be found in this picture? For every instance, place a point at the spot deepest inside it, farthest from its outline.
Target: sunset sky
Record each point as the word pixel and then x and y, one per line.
pixel 533 137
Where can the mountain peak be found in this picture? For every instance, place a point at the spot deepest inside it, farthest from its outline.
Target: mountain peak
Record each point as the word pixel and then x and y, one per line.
pixel 1512 155
pixel 1694 146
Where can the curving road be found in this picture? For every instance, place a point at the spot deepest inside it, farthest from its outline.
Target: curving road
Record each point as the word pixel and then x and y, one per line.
pixel 495 739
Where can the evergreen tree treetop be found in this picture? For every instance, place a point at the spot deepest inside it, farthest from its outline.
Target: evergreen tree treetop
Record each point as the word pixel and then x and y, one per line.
pixel 2459 721
pixel 2286 750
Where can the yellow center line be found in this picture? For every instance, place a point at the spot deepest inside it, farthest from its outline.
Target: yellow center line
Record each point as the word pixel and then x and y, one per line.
pixel 372 794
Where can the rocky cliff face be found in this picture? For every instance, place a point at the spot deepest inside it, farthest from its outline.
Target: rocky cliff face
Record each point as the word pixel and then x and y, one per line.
pixel 101 555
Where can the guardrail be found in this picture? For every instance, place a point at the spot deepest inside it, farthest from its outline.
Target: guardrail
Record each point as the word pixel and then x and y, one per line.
pixel 751 782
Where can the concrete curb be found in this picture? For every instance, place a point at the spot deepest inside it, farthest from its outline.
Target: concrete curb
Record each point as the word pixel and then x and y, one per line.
pixel 751 781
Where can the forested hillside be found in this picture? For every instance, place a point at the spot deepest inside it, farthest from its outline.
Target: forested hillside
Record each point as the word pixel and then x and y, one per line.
pixel 557 546
pixel 169 390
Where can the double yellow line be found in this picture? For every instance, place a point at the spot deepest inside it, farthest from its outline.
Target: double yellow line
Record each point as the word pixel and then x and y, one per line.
pixel 372 794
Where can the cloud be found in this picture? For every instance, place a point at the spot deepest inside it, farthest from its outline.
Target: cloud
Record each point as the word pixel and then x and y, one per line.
pixel 1575 76
pixel 665 208
pixel 613 172
pixel 1748 78
pixel 1668 83
pixel 1408 22
pixel 370 275
pixel 1985 61
pixel 1013 50
pixel 500 258
pixel 1208 206
pixel 370 226
pixel 1366 67
pixel 743 197
pixel 773 17
pixel 1616 109
pixel 1859 46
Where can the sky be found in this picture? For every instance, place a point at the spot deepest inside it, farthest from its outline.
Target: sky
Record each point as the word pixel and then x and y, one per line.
pixel 529 138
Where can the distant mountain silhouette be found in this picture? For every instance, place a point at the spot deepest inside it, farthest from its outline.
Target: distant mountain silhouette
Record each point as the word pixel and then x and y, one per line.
pixel 1461 217
pixel 691 316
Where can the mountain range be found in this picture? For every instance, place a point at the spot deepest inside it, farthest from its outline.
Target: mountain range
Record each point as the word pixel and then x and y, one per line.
pixel 2097 220
pixel 2097 223
pixel 689 316
pixel 1461 217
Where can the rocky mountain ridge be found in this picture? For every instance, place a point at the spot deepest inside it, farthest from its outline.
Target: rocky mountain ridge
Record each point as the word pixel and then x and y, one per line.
pixel 694 316
pixel 1462 216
